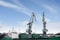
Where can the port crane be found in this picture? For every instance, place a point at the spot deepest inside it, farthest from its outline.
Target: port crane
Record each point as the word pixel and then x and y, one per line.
pixel 32 19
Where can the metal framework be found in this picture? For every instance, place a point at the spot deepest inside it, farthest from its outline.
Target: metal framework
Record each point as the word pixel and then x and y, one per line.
pixel 44 26
pixel 30 24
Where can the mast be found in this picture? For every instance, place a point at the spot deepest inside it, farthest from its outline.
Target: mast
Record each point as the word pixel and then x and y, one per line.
pixel 30 24
pixel 44 26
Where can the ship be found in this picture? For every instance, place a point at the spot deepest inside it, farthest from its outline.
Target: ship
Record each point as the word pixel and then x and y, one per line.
pixel 13 35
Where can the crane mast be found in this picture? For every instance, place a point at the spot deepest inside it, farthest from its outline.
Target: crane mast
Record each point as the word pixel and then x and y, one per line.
pixel 44 26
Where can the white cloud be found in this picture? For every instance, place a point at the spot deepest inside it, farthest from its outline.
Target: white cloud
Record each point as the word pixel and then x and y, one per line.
pixel 50 8
pixel 6 4
pixel 19 7
pixel 53 27
pixel 4 28
pixel 22 8
pixel 22 26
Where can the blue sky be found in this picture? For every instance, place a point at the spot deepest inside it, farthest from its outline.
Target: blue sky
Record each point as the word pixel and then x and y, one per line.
pixel 16 13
